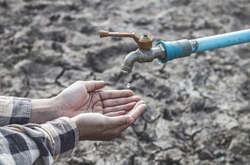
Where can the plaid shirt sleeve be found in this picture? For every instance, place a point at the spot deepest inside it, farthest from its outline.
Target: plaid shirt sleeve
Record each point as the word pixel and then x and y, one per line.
pixel 37 143
pixel 14 110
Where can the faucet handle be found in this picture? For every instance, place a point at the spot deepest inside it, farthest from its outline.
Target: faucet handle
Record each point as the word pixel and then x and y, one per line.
pixel 104 34
pixel 117 34
pixel 144 42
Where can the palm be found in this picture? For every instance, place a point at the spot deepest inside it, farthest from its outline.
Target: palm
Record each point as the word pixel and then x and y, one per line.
pixel 94 103
pixel 84 97
pixel 100 127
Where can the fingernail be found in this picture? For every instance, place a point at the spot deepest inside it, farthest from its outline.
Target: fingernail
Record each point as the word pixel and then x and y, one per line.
pixel 131 93
pixel 130 120
pixel 142 102
pixel 137 98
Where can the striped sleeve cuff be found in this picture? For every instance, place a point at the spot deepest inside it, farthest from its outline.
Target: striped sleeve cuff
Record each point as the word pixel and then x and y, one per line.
pixel 14 110
pixel 64 136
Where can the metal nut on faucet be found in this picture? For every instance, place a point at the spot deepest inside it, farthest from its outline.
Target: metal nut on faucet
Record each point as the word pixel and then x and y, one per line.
pixel 145 42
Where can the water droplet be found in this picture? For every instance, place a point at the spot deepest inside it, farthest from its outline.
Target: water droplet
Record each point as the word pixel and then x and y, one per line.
pixel 128 85
pixel 159 62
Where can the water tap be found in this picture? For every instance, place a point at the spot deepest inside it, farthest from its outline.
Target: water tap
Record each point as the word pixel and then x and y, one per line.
pixel 145 52
pixel 170 50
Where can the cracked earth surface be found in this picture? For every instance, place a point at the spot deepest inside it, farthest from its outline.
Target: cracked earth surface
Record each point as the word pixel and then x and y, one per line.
pixel 198 107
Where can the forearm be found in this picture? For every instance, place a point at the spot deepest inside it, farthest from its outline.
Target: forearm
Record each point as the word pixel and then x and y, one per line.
pixel 14 110
pixel 43 110
pixel 37 142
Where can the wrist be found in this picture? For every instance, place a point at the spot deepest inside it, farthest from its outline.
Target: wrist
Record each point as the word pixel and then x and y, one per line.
pixel 43 110
pixel 79 121
pixel 77 124
pixel 63 135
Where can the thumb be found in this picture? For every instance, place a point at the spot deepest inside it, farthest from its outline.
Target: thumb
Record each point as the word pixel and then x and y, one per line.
pixel 120 120
pixel 93 85
pixel 139 108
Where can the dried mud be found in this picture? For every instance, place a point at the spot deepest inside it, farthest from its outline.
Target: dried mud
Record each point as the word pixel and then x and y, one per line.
pixel 198 107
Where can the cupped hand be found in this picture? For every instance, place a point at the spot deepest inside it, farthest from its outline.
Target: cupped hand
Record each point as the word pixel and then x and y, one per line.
pixel 86 96
pixel 94 126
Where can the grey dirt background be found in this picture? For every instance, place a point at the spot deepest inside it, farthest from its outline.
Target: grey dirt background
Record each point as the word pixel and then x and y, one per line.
pixel 198 107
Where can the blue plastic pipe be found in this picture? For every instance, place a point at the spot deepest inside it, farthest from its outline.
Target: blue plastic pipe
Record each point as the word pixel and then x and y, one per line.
pixel 182 48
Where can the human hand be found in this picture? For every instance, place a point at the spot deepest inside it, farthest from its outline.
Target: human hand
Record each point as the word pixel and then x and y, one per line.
pixel 85 96
pixel 94 126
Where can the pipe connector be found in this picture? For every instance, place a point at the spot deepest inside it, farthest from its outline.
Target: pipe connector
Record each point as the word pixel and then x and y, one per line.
pixel 176 49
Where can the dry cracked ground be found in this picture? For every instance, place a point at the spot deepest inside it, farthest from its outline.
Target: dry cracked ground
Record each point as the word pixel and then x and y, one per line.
pixel 198 107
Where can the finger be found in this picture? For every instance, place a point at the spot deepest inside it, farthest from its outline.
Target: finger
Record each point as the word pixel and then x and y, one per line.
pixel 120 101
pixel 93 85
pixel 122 128
pixel 119 121
pixel 139 102
pixel 113 114
pixel 109 94
pixel 139 108
pixel 125 107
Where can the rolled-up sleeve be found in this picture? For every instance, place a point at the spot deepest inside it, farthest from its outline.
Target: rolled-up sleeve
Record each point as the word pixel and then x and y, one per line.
pixel 37 143
pixel 14 110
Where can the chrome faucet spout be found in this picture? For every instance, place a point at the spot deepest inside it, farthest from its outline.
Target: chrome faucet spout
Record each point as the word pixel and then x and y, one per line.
pixel 129 61
pixel 142 56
